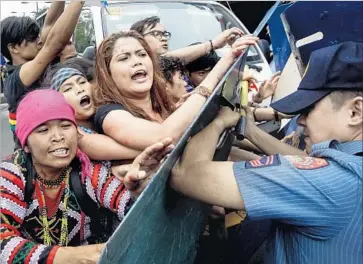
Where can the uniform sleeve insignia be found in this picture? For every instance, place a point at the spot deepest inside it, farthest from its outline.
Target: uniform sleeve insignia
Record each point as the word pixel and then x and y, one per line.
pixel 265 161
pixel 307 163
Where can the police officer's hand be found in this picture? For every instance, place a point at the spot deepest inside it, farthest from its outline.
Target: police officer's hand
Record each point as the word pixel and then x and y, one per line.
pixel 137 175
pixel 227 118
pixel 226 37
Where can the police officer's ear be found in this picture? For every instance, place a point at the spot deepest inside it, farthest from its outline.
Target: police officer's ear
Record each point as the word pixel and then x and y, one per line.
pixel 356 111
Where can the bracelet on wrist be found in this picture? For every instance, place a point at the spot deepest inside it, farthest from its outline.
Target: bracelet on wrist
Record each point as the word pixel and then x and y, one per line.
pixel 202 90
pixel 211 46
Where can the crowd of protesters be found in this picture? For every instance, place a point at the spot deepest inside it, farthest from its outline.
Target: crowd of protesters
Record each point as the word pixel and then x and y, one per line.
pixel 90 134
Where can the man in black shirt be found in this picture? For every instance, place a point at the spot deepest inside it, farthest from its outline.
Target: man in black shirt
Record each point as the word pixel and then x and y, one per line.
pixel 29 53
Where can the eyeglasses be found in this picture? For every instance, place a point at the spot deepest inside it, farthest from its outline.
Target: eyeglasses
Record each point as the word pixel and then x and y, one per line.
pixel 159 34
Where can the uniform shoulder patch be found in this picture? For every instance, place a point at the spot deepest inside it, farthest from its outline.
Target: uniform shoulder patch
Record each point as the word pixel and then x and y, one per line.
pixel 265 161
pixel 307 163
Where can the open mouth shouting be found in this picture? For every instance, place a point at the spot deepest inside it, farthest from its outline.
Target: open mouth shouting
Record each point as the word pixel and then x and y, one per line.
pixel 85 102
pixel 139 76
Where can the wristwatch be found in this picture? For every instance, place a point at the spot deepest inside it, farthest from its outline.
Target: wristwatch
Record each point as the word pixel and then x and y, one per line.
pixel 202 90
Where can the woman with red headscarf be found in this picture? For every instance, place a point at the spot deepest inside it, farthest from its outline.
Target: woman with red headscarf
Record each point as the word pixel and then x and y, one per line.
pixel 51 226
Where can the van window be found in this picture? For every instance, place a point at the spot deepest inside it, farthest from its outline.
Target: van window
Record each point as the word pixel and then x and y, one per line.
pixel 84 34
pixel 187 22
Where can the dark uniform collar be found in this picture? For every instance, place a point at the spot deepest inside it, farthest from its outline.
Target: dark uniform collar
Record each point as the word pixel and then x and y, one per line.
pixel 351 147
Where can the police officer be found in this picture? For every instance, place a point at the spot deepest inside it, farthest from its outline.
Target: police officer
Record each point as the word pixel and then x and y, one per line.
pixel 315 201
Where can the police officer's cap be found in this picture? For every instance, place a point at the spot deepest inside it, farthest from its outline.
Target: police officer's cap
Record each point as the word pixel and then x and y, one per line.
pixel 337 67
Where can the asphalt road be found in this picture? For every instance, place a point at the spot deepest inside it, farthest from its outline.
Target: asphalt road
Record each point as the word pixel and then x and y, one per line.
pixel 6 136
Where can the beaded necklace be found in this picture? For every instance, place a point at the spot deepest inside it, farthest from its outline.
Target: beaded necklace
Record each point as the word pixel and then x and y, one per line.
pixel 43 211
pixel 52 183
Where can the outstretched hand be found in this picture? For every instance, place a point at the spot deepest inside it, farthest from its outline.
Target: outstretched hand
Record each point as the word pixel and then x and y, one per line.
pixel 136 176
pixel 226 37
pixel 267 88
pixel 241 44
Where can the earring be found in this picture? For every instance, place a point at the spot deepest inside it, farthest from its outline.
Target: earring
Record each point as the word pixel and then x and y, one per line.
pixel 26 149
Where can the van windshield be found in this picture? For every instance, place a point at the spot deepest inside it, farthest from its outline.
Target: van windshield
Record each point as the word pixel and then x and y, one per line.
pixel 187 22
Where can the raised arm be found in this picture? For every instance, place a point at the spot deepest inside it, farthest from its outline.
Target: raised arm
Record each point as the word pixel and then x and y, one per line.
pixel 191 53
pixel 53 13
pixel 56 41
pixel 138 133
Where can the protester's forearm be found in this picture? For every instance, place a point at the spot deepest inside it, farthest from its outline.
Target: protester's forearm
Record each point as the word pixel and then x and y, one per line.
pixel 264 114
pixel 270 145
pixel 53 13
pixel 218 71
pixel 102 147
pixel 190 53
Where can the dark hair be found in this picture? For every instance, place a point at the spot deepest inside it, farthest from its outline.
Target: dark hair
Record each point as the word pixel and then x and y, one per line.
pixel 171 65
pixel 338 98
pixel 141 25
pixel 207 61
pixel 106 91
pixel 86 67
pixel 14 30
